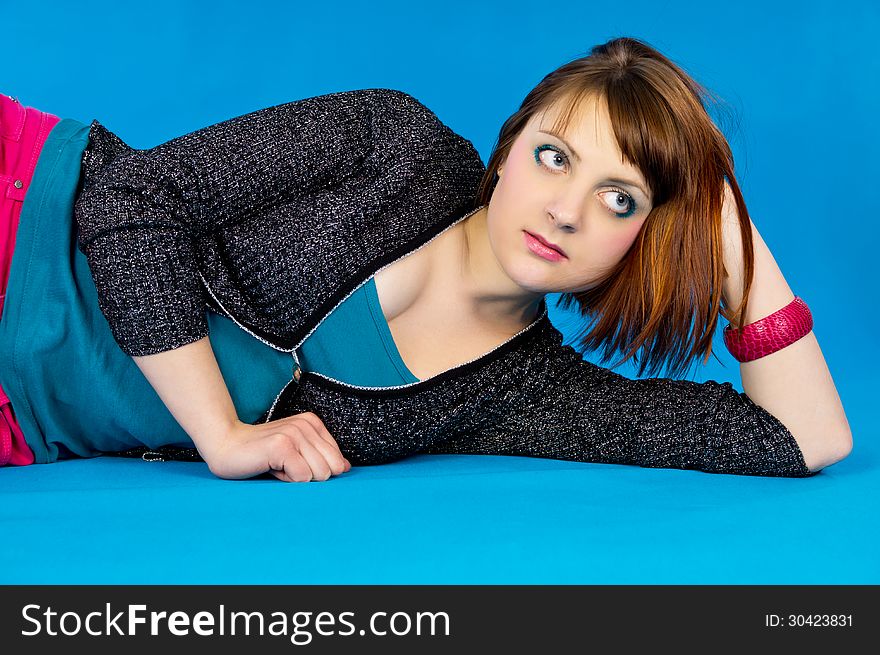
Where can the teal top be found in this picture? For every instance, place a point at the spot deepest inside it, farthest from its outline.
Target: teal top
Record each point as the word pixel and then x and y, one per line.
pixel 75 393
pixel 354 344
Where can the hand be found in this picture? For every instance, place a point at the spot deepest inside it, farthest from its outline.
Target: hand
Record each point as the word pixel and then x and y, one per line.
pixel 296 448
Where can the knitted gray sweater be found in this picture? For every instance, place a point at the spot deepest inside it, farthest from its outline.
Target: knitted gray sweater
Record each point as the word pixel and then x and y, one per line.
pixel 273 218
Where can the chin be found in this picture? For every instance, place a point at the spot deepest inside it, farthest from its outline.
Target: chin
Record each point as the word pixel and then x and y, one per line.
pixel 530 277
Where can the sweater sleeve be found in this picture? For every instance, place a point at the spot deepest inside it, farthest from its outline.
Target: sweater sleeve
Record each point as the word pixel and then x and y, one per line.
pixel 591 414
pixel 141 214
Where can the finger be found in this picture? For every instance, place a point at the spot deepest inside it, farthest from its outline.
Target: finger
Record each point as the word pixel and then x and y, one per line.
pixel 329 451
pixel 281 475
pixel 315 421
pixel 320 468
pixel 286 459
pixel 334 450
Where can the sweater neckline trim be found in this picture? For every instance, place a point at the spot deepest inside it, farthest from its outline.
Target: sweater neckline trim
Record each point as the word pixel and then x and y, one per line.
pixel 454 372
pixel 338 297
pixel 457 371
pixel 369 271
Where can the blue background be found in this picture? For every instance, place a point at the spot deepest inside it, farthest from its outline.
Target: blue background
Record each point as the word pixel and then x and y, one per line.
pixel 800 83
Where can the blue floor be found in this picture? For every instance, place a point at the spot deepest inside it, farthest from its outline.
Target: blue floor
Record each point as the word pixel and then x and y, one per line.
pixel 801 92
pixel 438 519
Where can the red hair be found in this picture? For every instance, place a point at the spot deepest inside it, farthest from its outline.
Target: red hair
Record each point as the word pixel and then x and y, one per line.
pixel 664 296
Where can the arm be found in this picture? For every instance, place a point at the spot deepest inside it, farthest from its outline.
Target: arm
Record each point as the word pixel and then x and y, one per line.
pixel 788 422
pixel 575 410
pixel 294 449
pixel 794 384
pixel 190 384
pixel 141 214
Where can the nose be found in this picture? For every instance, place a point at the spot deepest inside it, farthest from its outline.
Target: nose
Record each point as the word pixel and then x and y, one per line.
pixel 566 209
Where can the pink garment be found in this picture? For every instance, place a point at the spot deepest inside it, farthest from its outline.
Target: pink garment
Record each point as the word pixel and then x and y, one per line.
pixel 23 131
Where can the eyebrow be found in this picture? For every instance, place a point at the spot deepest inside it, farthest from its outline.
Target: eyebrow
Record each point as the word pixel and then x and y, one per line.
pixel 615 180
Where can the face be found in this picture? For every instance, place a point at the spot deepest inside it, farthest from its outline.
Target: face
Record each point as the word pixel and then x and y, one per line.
pixel 575 191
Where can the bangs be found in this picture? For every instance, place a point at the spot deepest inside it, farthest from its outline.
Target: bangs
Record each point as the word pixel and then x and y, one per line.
pixel 643 127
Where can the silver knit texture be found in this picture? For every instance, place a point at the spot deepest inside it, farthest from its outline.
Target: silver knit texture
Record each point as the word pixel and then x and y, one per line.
pixel 285 210
pixel 276 209
pixel 542 399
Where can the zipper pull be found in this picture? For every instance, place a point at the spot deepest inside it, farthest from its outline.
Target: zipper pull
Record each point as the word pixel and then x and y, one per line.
pixel 297 371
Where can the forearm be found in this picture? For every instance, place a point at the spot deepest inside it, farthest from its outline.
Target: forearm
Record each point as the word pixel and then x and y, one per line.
pixel 794 383
pixel 190 384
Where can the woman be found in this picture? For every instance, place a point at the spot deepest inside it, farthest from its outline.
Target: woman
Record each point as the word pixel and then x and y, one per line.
pixel 358 234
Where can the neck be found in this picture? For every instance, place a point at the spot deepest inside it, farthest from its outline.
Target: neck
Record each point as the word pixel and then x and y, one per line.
pixel 483 284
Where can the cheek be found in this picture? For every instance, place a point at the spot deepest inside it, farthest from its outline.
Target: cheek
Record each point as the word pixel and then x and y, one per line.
pixel 517 173
pixel 608 249
pixel 619 242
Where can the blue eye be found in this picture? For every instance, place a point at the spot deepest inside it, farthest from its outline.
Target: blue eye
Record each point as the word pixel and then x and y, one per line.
pixel 559 157
pixel 619 195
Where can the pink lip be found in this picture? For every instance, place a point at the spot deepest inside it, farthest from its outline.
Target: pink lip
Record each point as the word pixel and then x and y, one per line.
pixel 538 237
pixel 539 248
